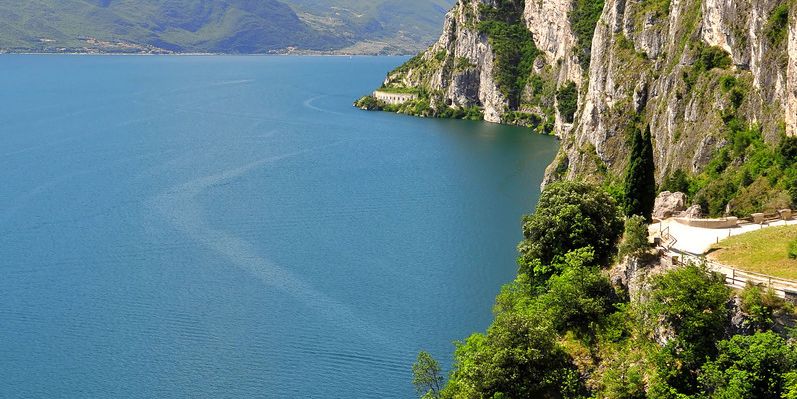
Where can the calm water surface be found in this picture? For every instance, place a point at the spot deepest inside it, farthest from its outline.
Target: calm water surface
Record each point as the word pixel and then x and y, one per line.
pixel 232 227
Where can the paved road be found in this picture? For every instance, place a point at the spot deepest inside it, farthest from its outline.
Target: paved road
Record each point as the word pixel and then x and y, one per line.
pixel 698 240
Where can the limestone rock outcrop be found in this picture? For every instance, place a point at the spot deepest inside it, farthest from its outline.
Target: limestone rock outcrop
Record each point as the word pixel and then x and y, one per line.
pixel 464 72
pixel 659 49
pixel 644 62
pixel 669 204
pixel 693 212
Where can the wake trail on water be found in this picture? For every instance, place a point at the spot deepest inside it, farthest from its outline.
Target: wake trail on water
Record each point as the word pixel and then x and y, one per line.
pixel 181 209
pixel 309 104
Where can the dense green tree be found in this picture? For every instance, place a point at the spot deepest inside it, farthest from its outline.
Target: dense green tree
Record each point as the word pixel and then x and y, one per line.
pixel 519 357
pixel 640 179
pixel 788 150
pixel 426 376
pixel 569 216
pixel 692 304
pixel 678 181
pixel 577 299
pixel 750 367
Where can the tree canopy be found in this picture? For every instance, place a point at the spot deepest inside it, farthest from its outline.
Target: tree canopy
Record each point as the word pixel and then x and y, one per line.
pixel 569 216
pixel 426 376
pixel 564 330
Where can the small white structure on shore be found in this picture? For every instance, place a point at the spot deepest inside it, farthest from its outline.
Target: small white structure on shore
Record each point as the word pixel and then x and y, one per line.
pixel 394 98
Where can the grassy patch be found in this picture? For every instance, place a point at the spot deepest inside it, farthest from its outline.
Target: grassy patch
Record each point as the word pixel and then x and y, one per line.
pixel 763 251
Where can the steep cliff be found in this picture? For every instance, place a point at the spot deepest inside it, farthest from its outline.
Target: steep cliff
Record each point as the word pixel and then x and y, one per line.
pixel 710 77
pixel 668 65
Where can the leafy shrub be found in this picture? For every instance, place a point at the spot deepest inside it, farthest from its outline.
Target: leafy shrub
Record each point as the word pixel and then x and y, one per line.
pixel 793 250
pixel 677 182
pixel 761 305
pixel 778 23
pixel 750 367
pixel 692 302
pixel 635 239
pixel 710 57
pixel 788 150
pixel 727 82
pixel 518 357
pixel 736 97
pixel 578 298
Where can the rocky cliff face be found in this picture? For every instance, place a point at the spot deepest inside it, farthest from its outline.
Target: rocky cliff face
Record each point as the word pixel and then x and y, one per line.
pixel 652 64
pixel 459 66
pixel 683 67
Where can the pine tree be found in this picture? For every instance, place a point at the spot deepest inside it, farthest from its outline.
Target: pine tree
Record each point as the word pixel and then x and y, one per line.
pixel 640 182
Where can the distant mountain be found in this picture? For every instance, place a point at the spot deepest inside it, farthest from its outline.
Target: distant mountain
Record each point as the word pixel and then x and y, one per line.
pixel 374 26
pixel 226 26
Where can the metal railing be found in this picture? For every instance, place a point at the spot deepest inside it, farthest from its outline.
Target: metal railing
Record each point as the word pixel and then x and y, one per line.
pixel 668 240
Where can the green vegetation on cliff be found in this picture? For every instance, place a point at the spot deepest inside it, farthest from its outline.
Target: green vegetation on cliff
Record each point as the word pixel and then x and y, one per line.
pixel 746 175
pixel 778 23
pixel 583 19
pixel 563 330
pixel 639 192
pixel 428 105
pixel 753 168
pixel 567 99
pixel 513 47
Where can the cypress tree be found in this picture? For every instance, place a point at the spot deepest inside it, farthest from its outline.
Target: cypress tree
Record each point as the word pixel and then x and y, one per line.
pixel 640 182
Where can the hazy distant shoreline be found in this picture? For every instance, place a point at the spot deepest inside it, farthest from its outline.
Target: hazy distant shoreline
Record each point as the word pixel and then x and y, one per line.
pixel 290 54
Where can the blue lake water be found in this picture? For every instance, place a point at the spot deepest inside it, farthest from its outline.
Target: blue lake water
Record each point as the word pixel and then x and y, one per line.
pixel 233 227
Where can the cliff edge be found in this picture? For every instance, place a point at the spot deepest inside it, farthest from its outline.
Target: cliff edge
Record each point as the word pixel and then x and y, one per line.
pixel 709 77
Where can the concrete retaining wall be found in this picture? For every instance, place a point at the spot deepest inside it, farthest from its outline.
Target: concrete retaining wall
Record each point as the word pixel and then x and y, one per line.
pixel 709 223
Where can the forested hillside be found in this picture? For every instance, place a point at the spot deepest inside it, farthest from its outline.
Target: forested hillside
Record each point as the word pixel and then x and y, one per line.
pixel 220 26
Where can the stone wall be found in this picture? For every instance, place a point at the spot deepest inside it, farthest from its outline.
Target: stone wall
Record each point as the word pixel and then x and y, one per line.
pixel 394 98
